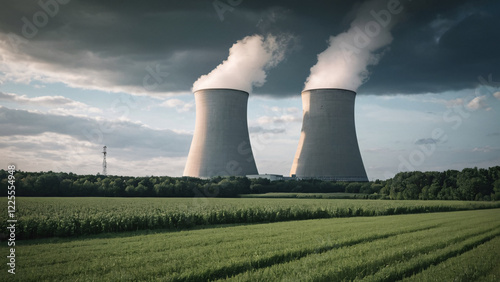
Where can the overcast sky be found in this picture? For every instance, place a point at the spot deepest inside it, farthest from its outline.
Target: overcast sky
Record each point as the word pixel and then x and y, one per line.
pixel 78 75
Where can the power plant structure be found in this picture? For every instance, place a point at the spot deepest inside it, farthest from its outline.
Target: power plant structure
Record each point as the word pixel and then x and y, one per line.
pixel 328 147
pixel 221 143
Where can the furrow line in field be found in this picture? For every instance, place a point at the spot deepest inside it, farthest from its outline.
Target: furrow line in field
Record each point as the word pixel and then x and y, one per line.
pixel 235 269
pixel 372 257
pixel 402 269
pixel 482 263
pixel 375 270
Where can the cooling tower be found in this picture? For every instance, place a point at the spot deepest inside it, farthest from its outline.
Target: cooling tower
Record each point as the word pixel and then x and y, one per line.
pixel 221 144
pixel 328 147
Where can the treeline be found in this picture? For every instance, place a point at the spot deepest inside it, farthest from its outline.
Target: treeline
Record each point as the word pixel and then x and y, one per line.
pixel 50 184
pixel 468 184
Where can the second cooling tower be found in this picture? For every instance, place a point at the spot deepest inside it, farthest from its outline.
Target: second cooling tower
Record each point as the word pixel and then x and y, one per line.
pixel 221 143
pixel 328 147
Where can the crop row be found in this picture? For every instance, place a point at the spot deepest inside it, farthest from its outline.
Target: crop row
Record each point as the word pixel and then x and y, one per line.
pixel 77 224
pixel 63 217
pixel 375 249
pixel 387 259
pixel 481 263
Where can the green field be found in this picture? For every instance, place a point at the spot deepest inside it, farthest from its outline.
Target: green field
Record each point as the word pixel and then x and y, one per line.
pixel 337 195
pixel 68 217
pixel 450 246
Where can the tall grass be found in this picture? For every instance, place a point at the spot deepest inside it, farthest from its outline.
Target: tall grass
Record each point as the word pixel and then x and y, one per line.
pixel 385 248
pixel 65 217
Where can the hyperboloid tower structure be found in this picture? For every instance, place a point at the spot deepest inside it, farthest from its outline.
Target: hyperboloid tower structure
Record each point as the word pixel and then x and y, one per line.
pixel 328 147
pixel 221 143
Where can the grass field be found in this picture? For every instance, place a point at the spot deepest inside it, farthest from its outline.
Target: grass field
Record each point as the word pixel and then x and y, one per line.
pixel 451 246
pixel 67 217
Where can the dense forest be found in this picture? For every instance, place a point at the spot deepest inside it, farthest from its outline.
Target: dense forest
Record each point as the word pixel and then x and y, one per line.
pixel 468 184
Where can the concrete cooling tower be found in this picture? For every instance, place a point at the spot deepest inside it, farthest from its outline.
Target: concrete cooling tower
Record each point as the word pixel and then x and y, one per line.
pixel 328 147
pixel 221 144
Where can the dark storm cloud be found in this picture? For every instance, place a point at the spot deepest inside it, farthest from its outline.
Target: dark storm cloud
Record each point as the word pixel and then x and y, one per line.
pixel 116 134
pixel 446 51
pixel 437 46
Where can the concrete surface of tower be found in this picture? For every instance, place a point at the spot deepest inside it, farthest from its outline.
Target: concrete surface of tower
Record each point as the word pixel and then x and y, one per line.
pixel 328 147
pixel 221 143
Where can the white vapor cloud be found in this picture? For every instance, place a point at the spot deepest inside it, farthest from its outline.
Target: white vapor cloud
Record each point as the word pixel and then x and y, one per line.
pixel 344 64
pixel 247 63
pixel 497 95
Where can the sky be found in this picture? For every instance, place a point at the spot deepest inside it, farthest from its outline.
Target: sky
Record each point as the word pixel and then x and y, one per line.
pixel 78 75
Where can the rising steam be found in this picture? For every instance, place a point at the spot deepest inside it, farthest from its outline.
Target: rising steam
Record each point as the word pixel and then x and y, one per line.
pixel 247 63
pixel 344 63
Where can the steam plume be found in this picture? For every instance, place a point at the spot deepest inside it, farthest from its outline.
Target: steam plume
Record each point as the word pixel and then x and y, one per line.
pixel 344 63
pixel 247 63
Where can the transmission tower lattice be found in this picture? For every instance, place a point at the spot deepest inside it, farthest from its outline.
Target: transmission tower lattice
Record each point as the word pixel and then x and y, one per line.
pixel 104 165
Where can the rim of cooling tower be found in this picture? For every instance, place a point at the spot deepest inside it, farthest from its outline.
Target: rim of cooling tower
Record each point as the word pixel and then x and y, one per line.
pixel 219 88
pixel 326 88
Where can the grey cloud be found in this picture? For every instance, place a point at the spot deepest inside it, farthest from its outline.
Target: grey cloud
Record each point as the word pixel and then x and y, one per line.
pixel 425 141
pixel 44 100
pixel 417 63
pixel 260 129
pixel 114 134
pixel 111 43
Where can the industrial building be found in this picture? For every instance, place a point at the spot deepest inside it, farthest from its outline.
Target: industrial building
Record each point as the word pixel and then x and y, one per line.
pixel 328 146
pixel 221 143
